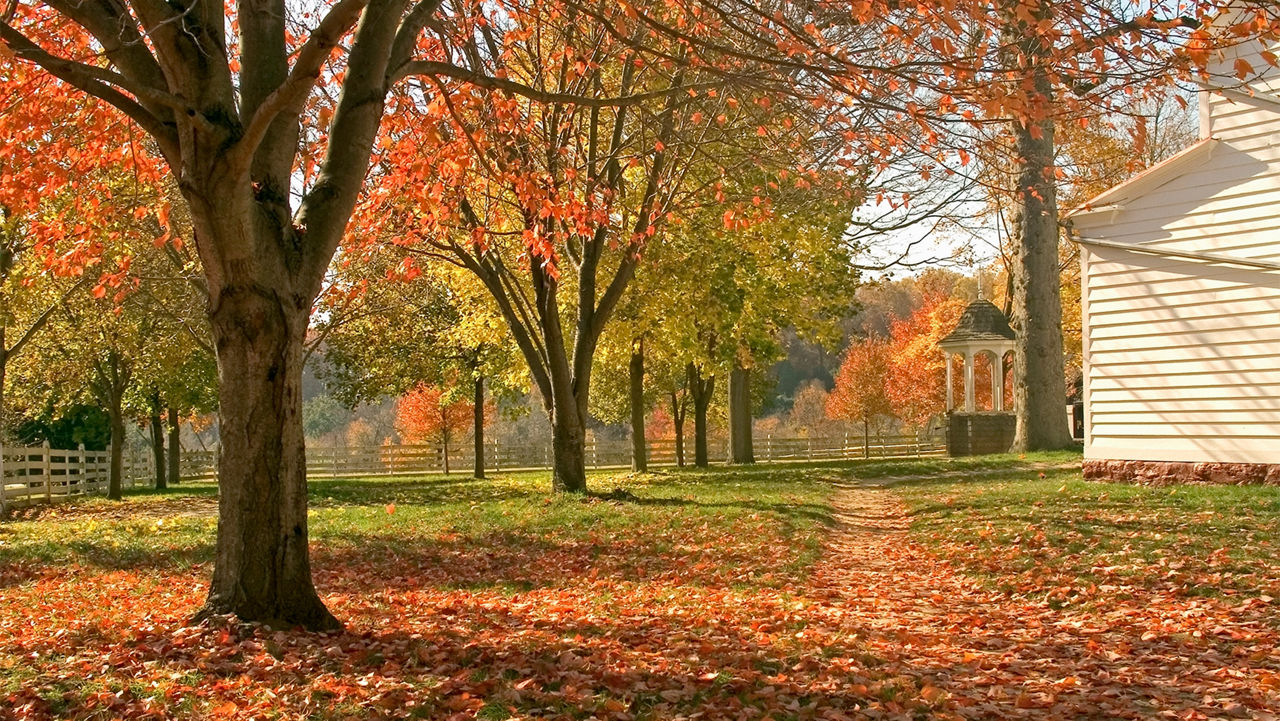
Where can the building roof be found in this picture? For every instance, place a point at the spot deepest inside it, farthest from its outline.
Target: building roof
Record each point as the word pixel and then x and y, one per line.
pixel 1114 199
pixel 980 321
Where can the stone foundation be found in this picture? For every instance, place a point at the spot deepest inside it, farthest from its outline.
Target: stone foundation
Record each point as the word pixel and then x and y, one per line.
pixel 1168 473
pixel 976 434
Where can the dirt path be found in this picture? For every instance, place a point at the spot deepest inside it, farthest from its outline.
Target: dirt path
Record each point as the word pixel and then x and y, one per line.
pixel 979 653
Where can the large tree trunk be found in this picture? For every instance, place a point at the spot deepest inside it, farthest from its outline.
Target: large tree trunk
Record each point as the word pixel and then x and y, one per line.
pixel 262 570
pixel 157 441
pixel 740 448
pixel 478 416
pixel 1040 392
pixel 639 455
pixel 677 422
pixel 702 390
pixel 175 446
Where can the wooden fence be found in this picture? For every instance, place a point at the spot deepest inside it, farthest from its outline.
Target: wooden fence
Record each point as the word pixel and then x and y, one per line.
pixel 340 461
pixel 42 474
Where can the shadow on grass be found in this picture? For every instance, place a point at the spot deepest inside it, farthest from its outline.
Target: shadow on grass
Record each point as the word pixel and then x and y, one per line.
pixel 435 491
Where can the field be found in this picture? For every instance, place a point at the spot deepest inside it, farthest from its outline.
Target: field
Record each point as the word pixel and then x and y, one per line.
pixel 989 588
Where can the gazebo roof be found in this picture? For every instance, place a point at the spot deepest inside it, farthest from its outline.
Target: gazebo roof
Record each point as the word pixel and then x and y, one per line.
pixel 981 322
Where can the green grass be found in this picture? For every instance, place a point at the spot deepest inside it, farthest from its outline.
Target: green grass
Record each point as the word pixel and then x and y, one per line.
pixel 512 515
pixel 1075 540
pixel 995 516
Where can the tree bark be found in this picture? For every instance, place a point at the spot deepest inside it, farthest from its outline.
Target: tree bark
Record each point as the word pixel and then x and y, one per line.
pixel 175 446
pixel 478 416
pixel 444 440
pixel 702 390
pixel 262 570
pixel 569 452
pixel 866 437
pixel 677 422
pixel 115 481
pixel 157 441
pixel 111 376
pixel 639 454
pixel 4 363
pixel 740 416
pixel 1040 390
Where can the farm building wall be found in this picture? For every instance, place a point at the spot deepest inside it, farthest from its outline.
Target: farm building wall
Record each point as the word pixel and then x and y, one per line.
pixel 1182 355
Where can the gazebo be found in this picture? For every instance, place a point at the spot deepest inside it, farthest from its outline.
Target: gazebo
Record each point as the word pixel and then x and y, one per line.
pixel 982 329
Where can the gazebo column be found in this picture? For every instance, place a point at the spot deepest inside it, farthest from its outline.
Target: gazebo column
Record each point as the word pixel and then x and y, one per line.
pixel 997 382
pixel 970 405
pixel 951 400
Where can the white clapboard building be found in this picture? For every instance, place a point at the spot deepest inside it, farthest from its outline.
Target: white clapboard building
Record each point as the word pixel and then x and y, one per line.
pixel 1181 301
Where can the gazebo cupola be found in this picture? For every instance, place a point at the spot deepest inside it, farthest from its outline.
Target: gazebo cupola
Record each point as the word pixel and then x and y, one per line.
pixel 982 329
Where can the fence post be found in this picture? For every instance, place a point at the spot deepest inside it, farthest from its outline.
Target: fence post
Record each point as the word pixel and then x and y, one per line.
pixel 808 447
pixel 768 447
pixel 48 472
pixel 3 482
pixel 497 464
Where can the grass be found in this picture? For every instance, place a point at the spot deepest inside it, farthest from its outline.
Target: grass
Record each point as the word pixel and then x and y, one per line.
pixel 659 595
pixel 1075 541
pixel 513 515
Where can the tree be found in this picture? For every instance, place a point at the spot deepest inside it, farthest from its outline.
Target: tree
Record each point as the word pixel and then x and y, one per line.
pixel 792 270
pixel 270 170
pixel 55 204
pixel 553 204
pixel 30 295
pixel 432 325
pixel 177 372
pixel 429 413
pixel 91 356
pixel 860 394
pixel 323 415
pixel 809 409
pixel 915 382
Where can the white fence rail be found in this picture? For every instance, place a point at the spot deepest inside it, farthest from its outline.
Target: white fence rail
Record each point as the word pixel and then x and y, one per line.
pixel 340 461
pixel 42 474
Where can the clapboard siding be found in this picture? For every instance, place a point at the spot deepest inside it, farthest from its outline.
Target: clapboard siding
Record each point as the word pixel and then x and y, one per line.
pixel 1183 356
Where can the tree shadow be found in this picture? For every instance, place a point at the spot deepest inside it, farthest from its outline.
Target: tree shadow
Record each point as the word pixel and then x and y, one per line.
pixel 557 655
pixel 323 492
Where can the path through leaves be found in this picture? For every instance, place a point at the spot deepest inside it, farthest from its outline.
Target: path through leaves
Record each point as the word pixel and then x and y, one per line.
pixel 974 652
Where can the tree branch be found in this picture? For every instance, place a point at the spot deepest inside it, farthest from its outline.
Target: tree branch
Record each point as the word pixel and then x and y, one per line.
pixel 99 83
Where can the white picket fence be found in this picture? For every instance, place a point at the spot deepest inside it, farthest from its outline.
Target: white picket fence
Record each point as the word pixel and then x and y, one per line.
pixel 346 461
pixel 42 474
